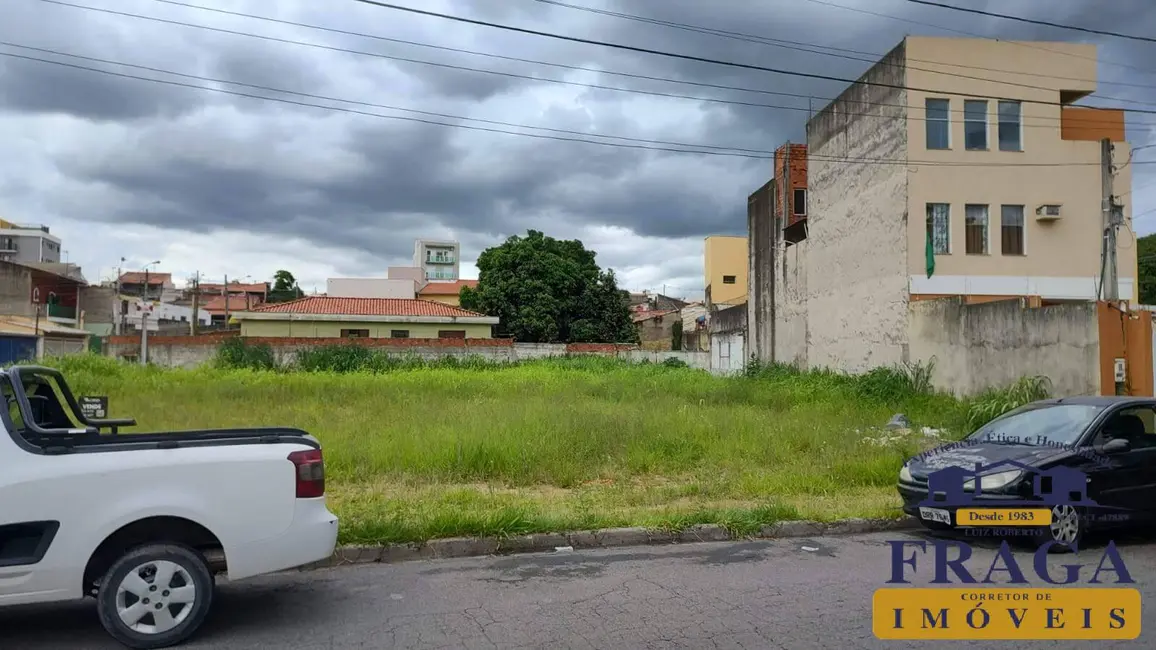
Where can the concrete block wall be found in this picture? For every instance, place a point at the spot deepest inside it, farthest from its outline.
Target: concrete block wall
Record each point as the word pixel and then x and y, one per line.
pixel 993 344
pixel 856 261
pixel 190 352
pixel 16 290
pixel 790 317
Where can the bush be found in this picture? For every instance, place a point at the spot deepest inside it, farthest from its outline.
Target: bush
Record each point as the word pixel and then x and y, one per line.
pixel 898 382
pixel 237 353
pixel 675 362
pixel 994 402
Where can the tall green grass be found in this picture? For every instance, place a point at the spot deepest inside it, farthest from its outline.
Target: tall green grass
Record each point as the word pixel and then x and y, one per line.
pixel 418 449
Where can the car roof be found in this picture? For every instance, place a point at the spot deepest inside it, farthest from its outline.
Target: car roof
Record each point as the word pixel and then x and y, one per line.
pixel 1100 400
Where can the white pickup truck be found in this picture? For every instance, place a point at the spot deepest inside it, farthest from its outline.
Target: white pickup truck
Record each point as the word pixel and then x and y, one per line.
pixel 143 522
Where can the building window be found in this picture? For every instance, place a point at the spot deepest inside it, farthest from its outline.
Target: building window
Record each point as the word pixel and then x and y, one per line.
pixel 975 125
pixel 800 206
pixel 975 229
pixel 728 279
pixel 939 227
pixel 451 334
pixel 938 124
pixel 354 334
pixel 1011 227
pixel 1010 131
pixel 399 334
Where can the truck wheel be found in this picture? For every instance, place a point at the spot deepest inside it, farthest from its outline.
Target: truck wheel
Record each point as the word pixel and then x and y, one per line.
pixel 155 596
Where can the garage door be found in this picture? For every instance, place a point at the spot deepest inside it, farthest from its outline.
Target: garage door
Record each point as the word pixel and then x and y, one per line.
pixel 59 347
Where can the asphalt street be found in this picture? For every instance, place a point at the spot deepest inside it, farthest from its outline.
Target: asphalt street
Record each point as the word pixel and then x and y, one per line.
pixel 794 593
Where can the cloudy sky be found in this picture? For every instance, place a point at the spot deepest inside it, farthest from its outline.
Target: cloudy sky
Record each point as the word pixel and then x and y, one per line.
pixel 224 184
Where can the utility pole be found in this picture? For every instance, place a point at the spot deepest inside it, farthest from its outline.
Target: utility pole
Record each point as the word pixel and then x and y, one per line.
pixel 196 304
pixel 119 305
pixel 144 335
pixel 1113 218
pixel 226 292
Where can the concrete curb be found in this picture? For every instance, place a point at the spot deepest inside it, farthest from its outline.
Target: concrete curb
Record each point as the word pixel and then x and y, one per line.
pixel 458 547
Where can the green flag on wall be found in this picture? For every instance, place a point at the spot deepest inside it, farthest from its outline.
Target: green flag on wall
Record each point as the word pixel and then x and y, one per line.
pixel 930 255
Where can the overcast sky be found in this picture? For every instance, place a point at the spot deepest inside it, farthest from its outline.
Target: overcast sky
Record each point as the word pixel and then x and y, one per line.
pixel 231 185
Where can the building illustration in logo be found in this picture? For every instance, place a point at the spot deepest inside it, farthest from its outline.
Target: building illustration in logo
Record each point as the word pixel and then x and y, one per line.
pixel 1055 486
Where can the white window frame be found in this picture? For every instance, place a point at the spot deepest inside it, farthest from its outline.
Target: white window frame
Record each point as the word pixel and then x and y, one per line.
pixel 1019 124
pixel 795 202
pixel 986 125
pixel 986 225
pixel 1023 226
pixel 949 237
pixel 928 120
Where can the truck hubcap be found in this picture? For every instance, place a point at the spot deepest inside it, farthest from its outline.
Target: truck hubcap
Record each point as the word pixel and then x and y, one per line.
pixel 155 597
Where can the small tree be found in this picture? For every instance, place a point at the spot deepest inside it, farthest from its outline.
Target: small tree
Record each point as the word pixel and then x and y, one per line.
pixel 285 287
pixel 546 290
pixel 676 335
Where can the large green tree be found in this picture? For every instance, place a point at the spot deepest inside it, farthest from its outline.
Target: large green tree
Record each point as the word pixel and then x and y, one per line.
pixel 1146 258
pixel 548 290
pixel 285 287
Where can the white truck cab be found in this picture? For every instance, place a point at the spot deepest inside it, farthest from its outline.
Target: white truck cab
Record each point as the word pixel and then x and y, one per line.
pixel 143 522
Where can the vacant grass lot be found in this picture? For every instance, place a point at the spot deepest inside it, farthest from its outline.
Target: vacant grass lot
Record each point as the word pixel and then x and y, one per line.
pixel 575 444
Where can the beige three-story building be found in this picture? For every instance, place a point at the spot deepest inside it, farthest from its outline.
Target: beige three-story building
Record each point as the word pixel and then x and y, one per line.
pixel 969 147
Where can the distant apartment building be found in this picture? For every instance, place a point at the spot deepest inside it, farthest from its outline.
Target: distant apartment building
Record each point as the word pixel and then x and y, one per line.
pixel 256 291
pixel 925 183
pixel 776 219
pixel 28 243
pixel 725 270
pixel 150 285
pixel 438 259
pixel 402 288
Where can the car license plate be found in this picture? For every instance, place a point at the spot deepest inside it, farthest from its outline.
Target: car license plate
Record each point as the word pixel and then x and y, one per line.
pixel 935 514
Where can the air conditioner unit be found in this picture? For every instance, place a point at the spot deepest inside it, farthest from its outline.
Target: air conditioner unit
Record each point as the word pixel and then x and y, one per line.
pixel 1048 212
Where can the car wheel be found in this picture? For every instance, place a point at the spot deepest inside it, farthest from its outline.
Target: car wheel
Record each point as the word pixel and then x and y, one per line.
pixel 155 596
pixel 1066 529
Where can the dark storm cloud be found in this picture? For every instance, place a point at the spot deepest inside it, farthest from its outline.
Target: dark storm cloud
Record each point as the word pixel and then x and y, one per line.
pixel 481 185
pixel 35 87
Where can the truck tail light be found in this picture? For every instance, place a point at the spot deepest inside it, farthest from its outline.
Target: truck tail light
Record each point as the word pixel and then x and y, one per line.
pixel 310 472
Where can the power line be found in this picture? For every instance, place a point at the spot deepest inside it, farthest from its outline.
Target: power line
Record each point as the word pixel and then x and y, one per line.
pixel 973 34
pixel 803 47
pixel 1051 122
pixel 832 159
pixel 359 112
pixel 700 59
pixel 375 105
pixel 1045 23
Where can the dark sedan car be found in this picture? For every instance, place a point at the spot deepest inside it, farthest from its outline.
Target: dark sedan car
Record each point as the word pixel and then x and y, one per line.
pixel 1091 461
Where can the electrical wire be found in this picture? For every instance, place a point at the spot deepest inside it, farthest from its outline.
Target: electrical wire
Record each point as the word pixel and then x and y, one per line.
pixel 975 35
pixel 1051 122
pixel 699 59
pixel 767 152
pixel 820 49
pixel 1045 23
pixel 728 152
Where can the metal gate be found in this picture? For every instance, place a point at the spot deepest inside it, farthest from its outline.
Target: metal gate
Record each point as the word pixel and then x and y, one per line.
pixel 727 353
pixel 17 349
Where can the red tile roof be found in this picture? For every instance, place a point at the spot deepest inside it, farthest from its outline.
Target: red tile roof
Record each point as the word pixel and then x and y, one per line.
pixel 237 303
pixel 641 316
pixel 138 277
pixel 447 288
pixel 327 306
